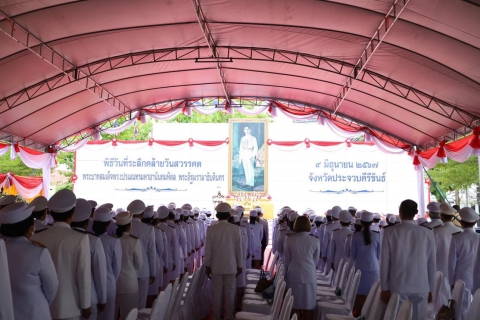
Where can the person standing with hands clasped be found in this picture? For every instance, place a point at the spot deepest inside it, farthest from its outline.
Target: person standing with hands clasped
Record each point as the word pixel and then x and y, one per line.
pixel 407 264
pixel 223 261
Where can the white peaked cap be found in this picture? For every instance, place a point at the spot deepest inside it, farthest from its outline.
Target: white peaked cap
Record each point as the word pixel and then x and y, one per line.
pixel 187 206
pixel 358 221
pixel 236 218
pixel 329 213
pixel 233 212
pixel 367 216
pixel 358 214
pixel 209 212
pixel 253 213
pixel 155 214
pixel 82 211
pixel 345 216
pixel 124 218
pixel 392 220
pixel 281 216
pixel 336 210
pixel 351 208
pixel 14 213
pixel 468 215
pixel 204 210
pixel 223 207
pixel 148 213
pixel 179 211
pixel 177 215
pixel 307 211
pixel 202 215
pixel 119 210
pixel 325 220
pixel 239 209
pixel 318 218
pixel 383 223
pixel 102 214
pixel 39 203
pixel 162 212
pixel 92 203
pixel 196 210
pixel 186 213
pixel 433 207
pixel 259 209
pixel 108 205
pixel 244 219
pixel 422 220
pixel 6 200
pixel 397 219
pixel 294 215
pixel 62 201
pixel 336 214
pixel 446 209
pixel 171 205
pixel 389 215
pixel 312 216
pixel 191 213
pixel 136 207
pixel 377 216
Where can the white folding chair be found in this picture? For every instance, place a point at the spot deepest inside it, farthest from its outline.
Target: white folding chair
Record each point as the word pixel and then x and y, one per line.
pixel 336 278
pixel 159 307
pixel 392 307
pixel 377 307
pixel 187 303
pixel 172 296
pixel 344 285
pixel 405 312
pixel 250 293
pixel 242 315
pixel 262 306
pixel 132 315
pixel 268 269
pixel 457 296
pixel 287 306
pixel 475 307
pixel 367 307
pixel 433 307
pixel 177 294
pixel 345 308
pixel 294 317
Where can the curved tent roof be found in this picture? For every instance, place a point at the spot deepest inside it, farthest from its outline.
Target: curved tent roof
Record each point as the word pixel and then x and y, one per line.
pixel 407 68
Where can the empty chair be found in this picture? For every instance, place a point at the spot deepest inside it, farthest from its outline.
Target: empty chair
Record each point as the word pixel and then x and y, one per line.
pixel 187 304
pixel 475 307
pixel 367 307
pixel 250 293
pixel 344 285
pixel 392 307
pixel 434 306
pixel 175 310
pixel 405 312
pixel 132 315
pixel 242 315
pixel 287 306
pixel 262 306
pixel 457 296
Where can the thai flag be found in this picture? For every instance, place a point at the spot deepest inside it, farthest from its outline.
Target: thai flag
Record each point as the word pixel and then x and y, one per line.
pixel 135 129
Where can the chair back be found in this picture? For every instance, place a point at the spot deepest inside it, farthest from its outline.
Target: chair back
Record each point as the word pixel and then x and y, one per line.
pixel 392 307
pixel 475 307
pixel 349 281
pixel 173 296
pixel 160 302
pixel 338 272
pixel 277 299
pixel 406 311
pixel 287 306
pixel 352 293
pixel 367 307
pixel 132 315
pixel 343 277
pixel 436 290
pixel 457 296
pixel 377 307
pixel 164 303
pixel 193 285
pixel 268 260
pixel 294 317
pixel 178 297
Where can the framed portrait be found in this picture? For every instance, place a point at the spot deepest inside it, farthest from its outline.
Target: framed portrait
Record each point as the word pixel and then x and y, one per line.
pixel 248 156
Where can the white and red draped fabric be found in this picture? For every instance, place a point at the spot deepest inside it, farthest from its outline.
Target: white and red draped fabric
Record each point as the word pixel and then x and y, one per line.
pixel 27 187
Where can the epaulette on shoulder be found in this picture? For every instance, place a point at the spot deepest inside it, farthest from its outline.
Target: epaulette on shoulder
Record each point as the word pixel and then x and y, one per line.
pixel 328 223
pixel 453 234
pixel 336 229
pixel 113 235
pixel 38 243
pixel 51 225
pixel 171 226
pixel 38 231
pixel 426 226
pixel 313 235
pixel 131 235
pixel 388 226
pixel 437 226
pixel 93 234
pixel 376 231
pixel 81 231
pixel 348 235
pixel 289 234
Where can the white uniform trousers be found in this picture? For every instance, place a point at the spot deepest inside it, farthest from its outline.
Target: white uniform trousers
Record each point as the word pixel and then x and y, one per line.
pixel 445 293
pixel 198 259
pixel 94 314
pixel 109 312
pixel 419 303
pixel 223 286
pixel 142 292
pixel 190 264
pixel 125 303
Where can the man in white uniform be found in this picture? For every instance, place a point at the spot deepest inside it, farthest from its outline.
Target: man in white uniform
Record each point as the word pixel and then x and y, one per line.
pixel 256 229
pixel 70 251
pixel 247 152
pixel 266 238
pixel 434 214
pixel 285 229
pixel 327 236
pixel 145 233
pixel 407 264
pixel 223 261
pixel 39 205
pixel 443 237
pixel 171 245
pixel 461 259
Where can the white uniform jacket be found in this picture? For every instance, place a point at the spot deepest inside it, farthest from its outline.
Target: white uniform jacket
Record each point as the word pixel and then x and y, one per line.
pixel 171 244
pixel 187 231
pixel 476 270
pixel 249 233
pixel 33 278
pixel 113 255
pixel 145 233
pixel 300 257
pixel 265 229
pixel 434 223
pixel 132 260
pixel 327 236
pixel 443 238
pixel 462 257
pixel 337 246
pixel 408 259
pixel 257 230
pixel 181 238
pixel 365 258
pixel 223 248
pixel 282 234
pixel 160 248
pixel 70 251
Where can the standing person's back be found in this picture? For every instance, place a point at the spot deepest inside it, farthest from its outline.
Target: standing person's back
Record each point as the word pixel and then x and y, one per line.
pixel 407 264
pixel 70 251
pixel 337 242
pixel 223 261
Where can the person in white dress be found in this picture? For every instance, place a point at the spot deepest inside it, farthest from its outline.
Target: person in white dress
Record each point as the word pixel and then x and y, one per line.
pixel 300 256
pixel 461 259
pixel 407 264
pixel 70 251
pixel 132 260
pixel 224 261
pixel 33 277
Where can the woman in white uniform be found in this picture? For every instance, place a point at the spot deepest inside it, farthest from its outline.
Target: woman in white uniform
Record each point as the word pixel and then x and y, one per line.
pixel 33 276
pixel 300 255
pixel 132 260
pixel 365 252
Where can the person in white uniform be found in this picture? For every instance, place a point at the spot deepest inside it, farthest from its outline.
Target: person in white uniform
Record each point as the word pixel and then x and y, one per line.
pixel 408 265
pixel 443 238
pixel 285 229
pixel 162 253
pixel 224 261
pixel 327 236
pixel 461 259
pixel 113 256
pixel 171 245
pixel 300 255
pixel 81 218
pixel 365 255
pixel 247 152
pixel 181 243
pixel 70 251
pixel 476 270
pixel 196 240
pixel 201 239
pixel 377 217
pixel 6 304
pixel 187 228
pixel 434 214
pixel 145 233
pixel 39 205
pixel 244 222
pixel 33 277
pixel 242 278
pixel 132 260
pixel 266 237
pixel 337 242
pixel 256 228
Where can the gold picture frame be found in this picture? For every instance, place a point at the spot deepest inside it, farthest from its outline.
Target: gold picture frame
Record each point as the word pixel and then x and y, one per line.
pixel 248 156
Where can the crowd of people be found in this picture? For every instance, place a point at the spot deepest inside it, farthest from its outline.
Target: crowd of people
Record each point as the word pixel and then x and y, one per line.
pixel 68 258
